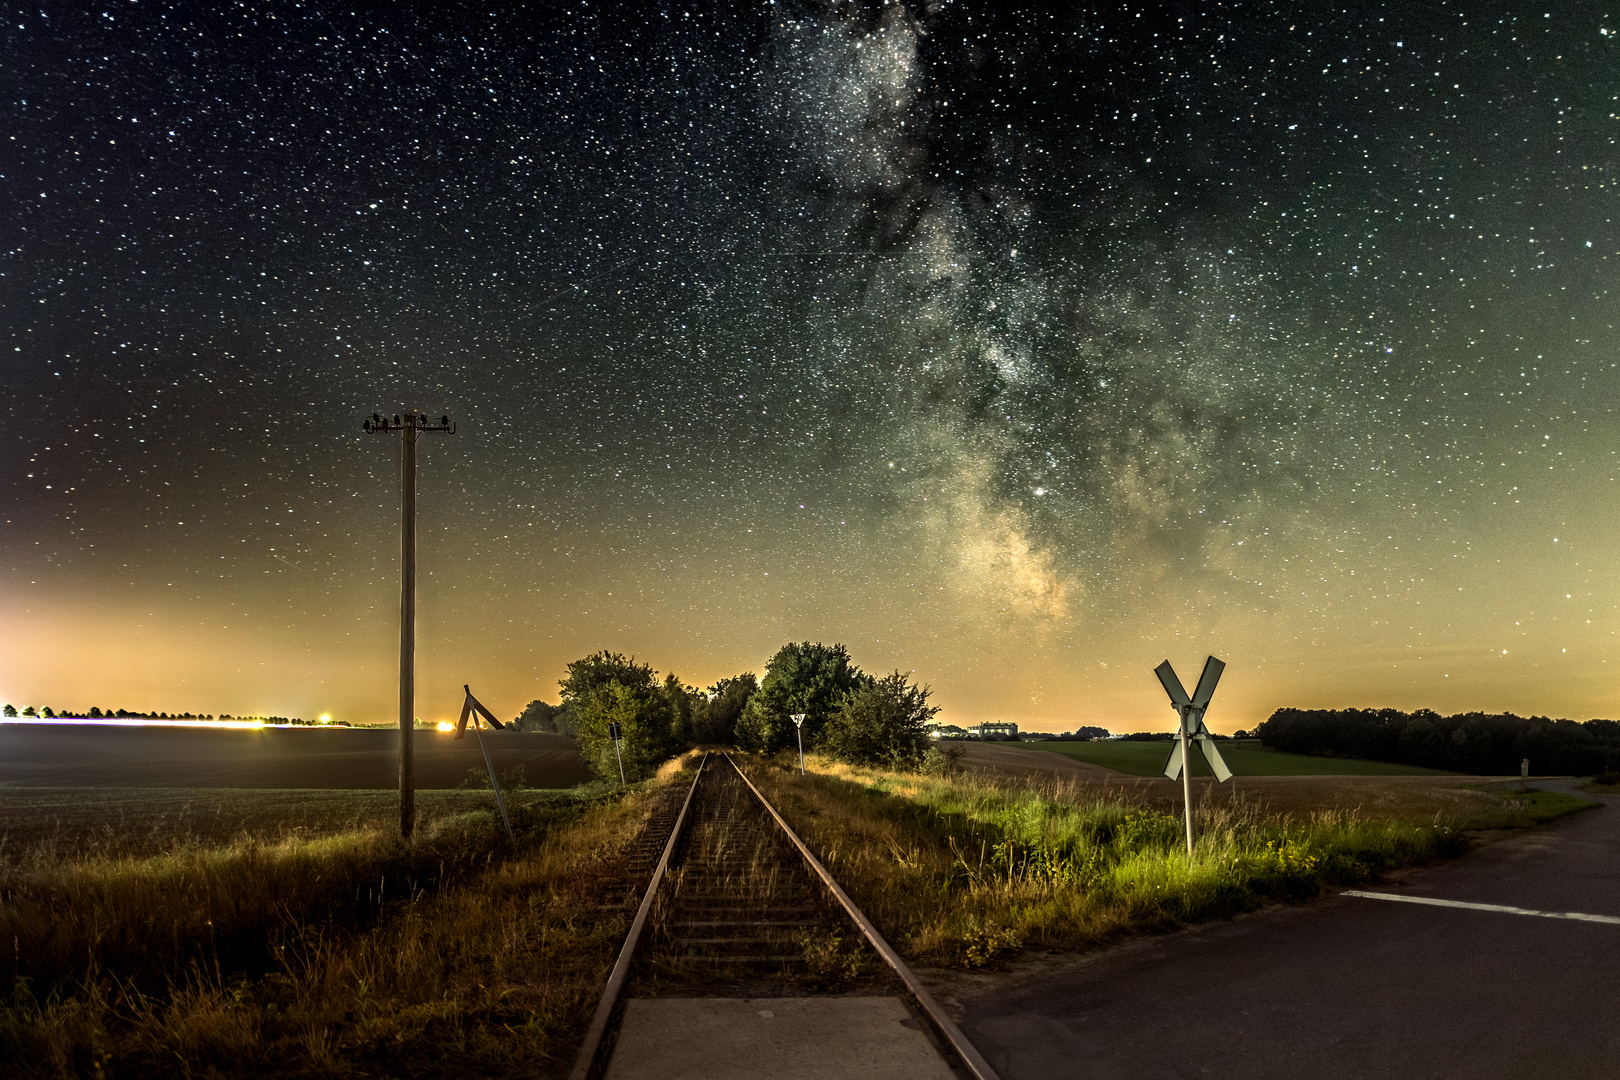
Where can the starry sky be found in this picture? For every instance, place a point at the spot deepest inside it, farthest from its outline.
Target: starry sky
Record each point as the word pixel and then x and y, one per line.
pixel 1017 347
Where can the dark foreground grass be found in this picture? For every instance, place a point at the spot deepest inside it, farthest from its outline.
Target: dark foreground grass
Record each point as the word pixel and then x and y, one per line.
pixel 343 954
pixel 1245 757
pixel 59 823
pixel 960 872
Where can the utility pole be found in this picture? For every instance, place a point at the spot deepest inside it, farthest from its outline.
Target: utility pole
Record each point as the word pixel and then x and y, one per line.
pixel 409 427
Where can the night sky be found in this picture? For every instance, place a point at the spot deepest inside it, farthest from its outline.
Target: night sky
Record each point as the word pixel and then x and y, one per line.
pixel 1014 347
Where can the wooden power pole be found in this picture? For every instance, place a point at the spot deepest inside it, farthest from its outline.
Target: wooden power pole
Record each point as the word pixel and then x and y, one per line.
pixel 408 427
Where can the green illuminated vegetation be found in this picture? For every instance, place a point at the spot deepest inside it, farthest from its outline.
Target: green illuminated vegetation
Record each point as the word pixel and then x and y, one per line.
pixel 959 872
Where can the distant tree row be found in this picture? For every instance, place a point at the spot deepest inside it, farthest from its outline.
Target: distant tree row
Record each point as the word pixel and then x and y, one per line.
pixel 1081 734
pixel 1484 744
pixel 853 716
pixel 96 713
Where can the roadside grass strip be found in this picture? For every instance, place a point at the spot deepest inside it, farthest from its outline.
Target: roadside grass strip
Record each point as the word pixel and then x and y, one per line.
pixel 958 872
pixel 1504 909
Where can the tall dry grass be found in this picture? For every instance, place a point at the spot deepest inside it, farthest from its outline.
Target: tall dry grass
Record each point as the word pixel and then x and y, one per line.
pixel 328 956
pixel 960 872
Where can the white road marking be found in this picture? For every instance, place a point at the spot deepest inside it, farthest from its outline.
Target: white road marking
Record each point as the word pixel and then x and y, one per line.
pixel 1506 909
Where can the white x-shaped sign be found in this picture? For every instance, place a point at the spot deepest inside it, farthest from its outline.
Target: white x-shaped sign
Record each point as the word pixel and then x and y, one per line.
pixel 1191 711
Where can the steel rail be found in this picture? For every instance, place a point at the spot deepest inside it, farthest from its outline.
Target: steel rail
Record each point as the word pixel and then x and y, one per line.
pixel 621 968
pixel 966 1051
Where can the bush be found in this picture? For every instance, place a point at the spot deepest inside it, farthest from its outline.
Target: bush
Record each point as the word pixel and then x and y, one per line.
pixel 942 762
pixel 881 723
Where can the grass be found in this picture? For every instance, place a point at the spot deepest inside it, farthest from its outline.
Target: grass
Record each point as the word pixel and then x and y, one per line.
pixel 1245 757
pixel 338 954
pixel 79 822
pixel 959 873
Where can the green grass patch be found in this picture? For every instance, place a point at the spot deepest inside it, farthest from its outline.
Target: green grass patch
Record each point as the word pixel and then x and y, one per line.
pixel 1520 809
pixel 1245 757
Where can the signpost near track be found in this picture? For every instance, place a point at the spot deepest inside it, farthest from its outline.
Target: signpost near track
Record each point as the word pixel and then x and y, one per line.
pixel 798 722
pixel 1192 729
pixel 615 733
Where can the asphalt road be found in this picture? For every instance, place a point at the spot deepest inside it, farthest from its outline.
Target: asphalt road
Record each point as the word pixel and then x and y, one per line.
pixel 1348 987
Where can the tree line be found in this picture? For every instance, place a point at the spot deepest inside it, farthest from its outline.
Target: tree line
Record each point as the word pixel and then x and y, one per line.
pixel 45 712
pixel 1484 744
pixel 877 720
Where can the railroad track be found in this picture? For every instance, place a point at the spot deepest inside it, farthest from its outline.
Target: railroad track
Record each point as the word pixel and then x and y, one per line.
pixel 737 907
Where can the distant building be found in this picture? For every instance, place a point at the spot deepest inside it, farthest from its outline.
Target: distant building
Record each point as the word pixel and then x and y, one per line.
pixel 996 731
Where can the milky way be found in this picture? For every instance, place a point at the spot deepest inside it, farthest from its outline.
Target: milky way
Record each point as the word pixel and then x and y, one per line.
pixel 1014 348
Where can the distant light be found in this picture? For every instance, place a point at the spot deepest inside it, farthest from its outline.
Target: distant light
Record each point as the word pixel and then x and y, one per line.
pixel 445 725
pixel 326 718
pixel 228 725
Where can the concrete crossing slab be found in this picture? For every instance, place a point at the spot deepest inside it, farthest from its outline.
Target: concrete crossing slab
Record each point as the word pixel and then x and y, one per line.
pixel 782 1038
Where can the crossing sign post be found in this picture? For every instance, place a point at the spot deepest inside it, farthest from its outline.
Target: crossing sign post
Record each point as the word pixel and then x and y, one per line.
pixel 1192 729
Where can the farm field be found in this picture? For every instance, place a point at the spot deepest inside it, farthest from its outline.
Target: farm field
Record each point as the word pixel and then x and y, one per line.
pixel 1245 757
pixel 1372 797
pixel 73 755
pixel 64 823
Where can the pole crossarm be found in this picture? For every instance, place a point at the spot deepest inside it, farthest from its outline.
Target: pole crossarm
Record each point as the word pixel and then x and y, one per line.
pixel 376 424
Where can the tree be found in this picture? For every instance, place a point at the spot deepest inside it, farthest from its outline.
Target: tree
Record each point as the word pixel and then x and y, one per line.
pixel 643 715
pixel 717 720
pixel 880 722
pixel 685 706
pixel 45 711
pixel 607 688
pixel 538 716
pixel 801 677
pixel 28 710
pixel 599 669
pixel 11 710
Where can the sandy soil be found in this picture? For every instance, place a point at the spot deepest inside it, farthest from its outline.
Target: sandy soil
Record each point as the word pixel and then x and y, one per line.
pixel 1372 796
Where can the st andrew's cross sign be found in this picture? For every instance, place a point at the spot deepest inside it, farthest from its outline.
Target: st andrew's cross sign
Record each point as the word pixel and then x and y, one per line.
pixel 1192 729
